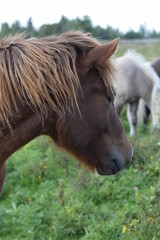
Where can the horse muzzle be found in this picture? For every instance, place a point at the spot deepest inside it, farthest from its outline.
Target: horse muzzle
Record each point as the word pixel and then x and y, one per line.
pixel 116 164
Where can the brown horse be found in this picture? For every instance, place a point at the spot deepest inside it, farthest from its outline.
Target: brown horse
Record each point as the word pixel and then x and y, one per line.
pixel 61 86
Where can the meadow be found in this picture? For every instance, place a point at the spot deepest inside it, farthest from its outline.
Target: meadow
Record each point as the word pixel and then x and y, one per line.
pixel 48 195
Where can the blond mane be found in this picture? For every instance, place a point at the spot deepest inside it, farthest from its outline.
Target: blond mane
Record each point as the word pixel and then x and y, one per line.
pixel 42 72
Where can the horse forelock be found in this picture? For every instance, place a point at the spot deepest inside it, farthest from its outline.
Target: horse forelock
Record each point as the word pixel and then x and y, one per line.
pixel 41 72
pixel 109 76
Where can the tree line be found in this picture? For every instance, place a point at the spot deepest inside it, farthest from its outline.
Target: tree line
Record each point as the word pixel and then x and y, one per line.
pixel 84 24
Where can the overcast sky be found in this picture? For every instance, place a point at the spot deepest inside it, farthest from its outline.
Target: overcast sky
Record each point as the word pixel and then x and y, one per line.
pixel 121 14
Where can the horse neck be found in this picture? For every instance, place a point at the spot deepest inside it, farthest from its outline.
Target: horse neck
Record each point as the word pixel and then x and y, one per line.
pixel 20 135
pixel 23 132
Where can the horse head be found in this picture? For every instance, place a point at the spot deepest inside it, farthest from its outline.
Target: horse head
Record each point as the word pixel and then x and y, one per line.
pixel 94 133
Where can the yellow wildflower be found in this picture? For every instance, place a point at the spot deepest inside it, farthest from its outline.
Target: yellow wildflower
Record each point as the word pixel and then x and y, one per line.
pixel 124 229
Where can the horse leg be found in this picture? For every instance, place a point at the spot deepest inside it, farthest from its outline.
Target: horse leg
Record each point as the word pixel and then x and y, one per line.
pixel 119 107
pixel 143 112
pixel 2 175
pixel 132 116
pixel 147 111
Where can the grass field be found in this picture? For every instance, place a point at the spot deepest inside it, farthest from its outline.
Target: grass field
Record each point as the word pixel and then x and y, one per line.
pixel 48 195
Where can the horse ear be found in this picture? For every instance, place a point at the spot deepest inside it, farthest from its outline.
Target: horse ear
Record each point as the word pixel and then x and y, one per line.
pixel 100 54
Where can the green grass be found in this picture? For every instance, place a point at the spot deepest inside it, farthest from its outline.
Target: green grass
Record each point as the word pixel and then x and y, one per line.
pixel 48 195
pixel 147 49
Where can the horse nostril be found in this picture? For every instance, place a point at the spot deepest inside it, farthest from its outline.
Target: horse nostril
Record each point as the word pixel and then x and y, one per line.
pixel 117 165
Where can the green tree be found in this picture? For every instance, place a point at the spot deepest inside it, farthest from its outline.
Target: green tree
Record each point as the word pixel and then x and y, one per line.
pixel 62 26
pixel 47 30
pixel 30 28
pixel 5 29
pixel 111 33
pixel 154 34
pixel 16 27
pixel 99 32
pixel 83 24
pixel 143 33
pixel 86 24
pixel 131 34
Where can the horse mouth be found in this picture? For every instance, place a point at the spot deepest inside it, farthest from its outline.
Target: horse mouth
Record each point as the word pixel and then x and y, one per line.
pixel 116 163
pixel 112 169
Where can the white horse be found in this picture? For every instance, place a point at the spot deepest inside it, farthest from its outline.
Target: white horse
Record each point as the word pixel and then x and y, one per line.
pixel 135 81
pixel 155 103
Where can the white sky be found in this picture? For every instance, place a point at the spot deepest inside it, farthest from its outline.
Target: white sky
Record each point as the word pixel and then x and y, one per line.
pixel 121 14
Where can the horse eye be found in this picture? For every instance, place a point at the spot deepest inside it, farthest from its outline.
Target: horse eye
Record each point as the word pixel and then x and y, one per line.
pixel 110 99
